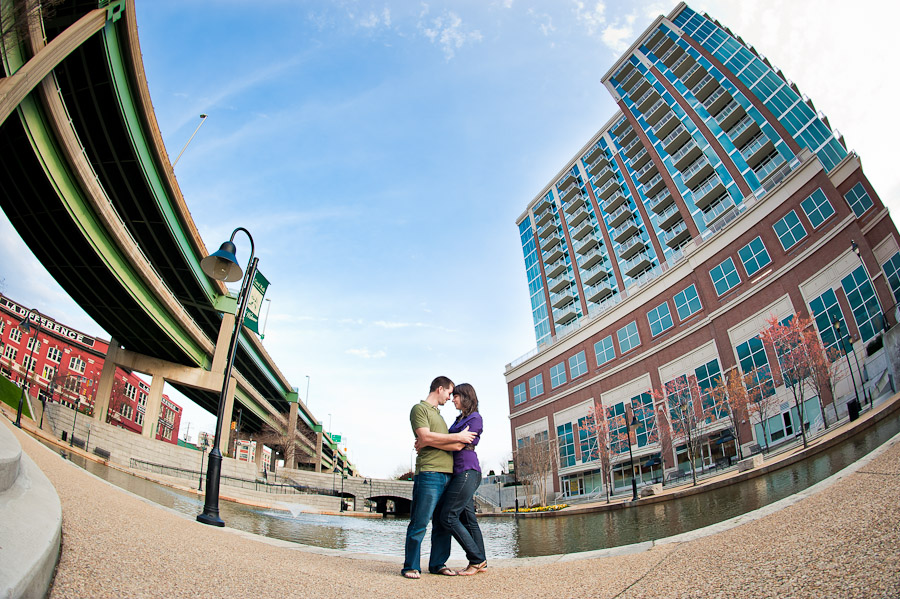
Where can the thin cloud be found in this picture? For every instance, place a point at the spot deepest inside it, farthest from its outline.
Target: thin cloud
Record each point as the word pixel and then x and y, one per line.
pixel 592 16
pixel 447 31
pixel 364 353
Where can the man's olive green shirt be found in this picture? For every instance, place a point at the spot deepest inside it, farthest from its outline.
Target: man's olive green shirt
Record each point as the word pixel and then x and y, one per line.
pixel 430 459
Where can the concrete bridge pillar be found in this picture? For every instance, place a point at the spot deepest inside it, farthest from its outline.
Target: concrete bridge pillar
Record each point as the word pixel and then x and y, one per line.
pixel 290 450
pixel 107 378
pixel 319 451
pixel 227 414
pixel 151 410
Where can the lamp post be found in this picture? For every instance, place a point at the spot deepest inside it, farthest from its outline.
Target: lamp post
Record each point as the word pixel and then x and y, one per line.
pixel 836 323
pixel 631 428
pixel 202 455
pixel 884 325
pixel 202 120
pixel 223 266
pixel 266 321
pixel 306 397
pixel 25 327
pixel 343 476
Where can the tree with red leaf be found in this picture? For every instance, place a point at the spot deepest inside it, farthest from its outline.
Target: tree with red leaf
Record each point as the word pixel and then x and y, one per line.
pixel 686 416
pixel 825 369
pixel 598 428
pixel 730 395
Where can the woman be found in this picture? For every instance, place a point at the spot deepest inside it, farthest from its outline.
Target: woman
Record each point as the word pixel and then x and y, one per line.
pixel 457 512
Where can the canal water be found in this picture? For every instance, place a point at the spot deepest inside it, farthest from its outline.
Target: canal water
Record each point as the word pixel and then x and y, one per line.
pixel 527 537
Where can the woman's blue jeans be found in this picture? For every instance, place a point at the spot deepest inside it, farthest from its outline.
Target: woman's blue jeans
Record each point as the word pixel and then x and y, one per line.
pixel 428 488
pixel 458 516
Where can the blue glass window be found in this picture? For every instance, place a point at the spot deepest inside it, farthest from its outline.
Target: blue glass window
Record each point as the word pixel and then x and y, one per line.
pixel 590 449
pixel 535 386
pixel 642 408
pixel 566 440
pixel 754 256
pixel 578 365
pixel 858 199
pixel 604 350
pixel 628 337
pixel 687 302
pixel 725 276
pixel 660 319
pixel 752 358
pixel 789 230
pixel 825 311
pixel 557 375
pixel 519 394
pixel 863 303
pixel 706 380
pixel 817 208
pixel 618 428
pixel 892 271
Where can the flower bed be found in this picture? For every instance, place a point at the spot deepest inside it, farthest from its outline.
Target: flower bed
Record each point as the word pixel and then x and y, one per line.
pixel 546 508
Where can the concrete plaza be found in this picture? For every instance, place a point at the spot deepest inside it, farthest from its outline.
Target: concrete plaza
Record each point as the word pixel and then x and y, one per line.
pixel 839 540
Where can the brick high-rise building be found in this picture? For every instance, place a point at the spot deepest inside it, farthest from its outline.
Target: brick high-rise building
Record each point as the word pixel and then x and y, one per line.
pixel 716 197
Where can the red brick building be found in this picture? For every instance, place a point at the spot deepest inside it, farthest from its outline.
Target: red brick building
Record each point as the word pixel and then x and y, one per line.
pixel 64 365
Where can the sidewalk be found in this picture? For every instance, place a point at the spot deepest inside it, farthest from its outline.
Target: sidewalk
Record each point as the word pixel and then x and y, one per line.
pixel 841 541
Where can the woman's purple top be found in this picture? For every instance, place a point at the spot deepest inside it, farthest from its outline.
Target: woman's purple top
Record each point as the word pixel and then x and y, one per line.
pixel 467 459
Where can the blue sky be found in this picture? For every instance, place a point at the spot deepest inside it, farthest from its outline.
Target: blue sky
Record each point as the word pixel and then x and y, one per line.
pixel 380 153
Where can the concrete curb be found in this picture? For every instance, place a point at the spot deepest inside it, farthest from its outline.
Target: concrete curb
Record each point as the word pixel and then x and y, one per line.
pixel 31 516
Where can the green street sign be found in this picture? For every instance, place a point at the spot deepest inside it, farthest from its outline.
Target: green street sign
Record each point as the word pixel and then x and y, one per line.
pixel 336 438
pixel 255 302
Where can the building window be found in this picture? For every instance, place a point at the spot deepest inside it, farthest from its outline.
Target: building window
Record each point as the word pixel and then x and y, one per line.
pixel 130 391
pixel 11 352
pixel 754 256
pixel 618 428
pixel 15 335
pixel 604 350
pixel 33 344
pixel 49 372
pixel 660 319
pixel 566 441
pixel 706 380
pixel 789 230
pixel 28 363
pixel 535 386
pixel 725 276
pixel 817 208
pixel 54 354
pixel 578 365
pixel 687 302
pixel 139 419
pixel 642 408
pixel 825 311
pixel 628 337
pixel 752 357
pixel 892 272
pixel 76 364
pixel 557 375
pixel 142 398
pixel 2 326
pixel 590 449
pixel 858 200
pixel 863 303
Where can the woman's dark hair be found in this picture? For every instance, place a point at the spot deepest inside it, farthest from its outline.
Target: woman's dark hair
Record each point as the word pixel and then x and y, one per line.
pixel 468 399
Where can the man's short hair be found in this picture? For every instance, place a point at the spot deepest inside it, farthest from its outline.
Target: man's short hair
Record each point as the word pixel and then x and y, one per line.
pixel 439 382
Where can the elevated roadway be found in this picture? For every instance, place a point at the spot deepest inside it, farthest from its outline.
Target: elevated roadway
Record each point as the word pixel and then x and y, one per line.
pixel 86 181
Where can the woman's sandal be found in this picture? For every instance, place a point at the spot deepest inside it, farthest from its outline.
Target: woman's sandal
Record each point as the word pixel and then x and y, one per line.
pixel 411 574
pixel 445 571
pixel 472 569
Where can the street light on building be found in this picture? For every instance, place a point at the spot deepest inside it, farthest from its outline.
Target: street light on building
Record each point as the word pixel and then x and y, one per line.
pixel 632 426
pixel 25 327
pixel 223 266
pixel 836 323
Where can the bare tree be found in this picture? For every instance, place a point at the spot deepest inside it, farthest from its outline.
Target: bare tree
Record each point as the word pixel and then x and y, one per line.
pixel 825 369
pixel 534 461
pixel 732 399
pixel 687 414
pixel 598 428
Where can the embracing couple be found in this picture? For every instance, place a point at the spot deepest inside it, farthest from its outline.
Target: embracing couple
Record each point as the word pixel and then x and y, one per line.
pixel 447 475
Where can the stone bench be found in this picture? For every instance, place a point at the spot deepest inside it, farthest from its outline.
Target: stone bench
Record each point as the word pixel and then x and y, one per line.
pixel 650 490
pixel 750 463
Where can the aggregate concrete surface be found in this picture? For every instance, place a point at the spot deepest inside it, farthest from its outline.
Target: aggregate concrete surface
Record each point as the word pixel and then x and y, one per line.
pixel 841 541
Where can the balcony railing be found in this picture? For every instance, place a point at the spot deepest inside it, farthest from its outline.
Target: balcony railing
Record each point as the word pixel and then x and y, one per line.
pixel 675 134
pixel 704 189
pixel 717 209
pixel 659 200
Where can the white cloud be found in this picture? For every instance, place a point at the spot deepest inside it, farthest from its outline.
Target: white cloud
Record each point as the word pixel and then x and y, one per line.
pixel 364 353
pixel 592 17
pixel 373 19
pixel 448 32
pixel 618 38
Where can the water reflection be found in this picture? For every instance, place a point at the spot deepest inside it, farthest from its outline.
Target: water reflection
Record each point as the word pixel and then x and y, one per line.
pixel 525 537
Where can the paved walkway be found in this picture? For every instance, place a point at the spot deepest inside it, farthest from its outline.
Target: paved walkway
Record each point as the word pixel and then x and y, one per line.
pixel 842 541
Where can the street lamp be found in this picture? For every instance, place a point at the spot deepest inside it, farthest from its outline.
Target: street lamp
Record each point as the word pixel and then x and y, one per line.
pixel 884 325
pixel 836 323
pixel 25 327
pixel 202 455
pixel 202 120
pixel 223 266
pixel 306 398
pixel 631 428
pixel 343 476
pixel 266 321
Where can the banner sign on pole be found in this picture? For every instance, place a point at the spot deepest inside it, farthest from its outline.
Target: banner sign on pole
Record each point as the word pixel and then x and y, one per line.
pixel 255 302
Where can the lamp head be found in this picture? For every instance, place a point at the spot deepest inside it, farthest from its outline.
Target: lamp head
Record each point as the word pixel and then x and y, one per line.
pixel 222 265
pixel 854 246
pixel 25 326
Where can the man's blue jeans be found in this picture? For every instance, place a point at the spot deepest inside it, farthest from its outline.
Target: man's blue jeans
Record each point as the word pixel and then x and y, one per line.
pixel 428 488
pixel 457 514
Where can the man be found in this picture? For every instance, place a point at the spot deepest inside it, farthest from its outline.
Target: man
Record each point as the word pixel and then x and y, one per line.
pixel 434 468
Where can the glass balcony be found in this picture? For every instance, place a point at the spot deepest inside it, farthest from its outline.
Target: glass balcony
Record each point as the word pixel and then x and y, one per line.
pixel 678 135
pixel 681 64
pixel 583 245
pixel 566 180
pixel 653 185
pixel 558 300
pixel 552 254
pixel 644 99
pixel 591 257
pixel 557 284
pixel 604 174
pixel 669 54
pixel 566 315
pixel 551 240
pixel 614 201
pixel 708 191
pixel 619 216
pixel 556 268
pixel 582 230
pixel 599 292
pixel 743 131
pixel 716 100
pixel 664 125
pixel 636 264
pixel 638 159
pixel 693 75
pixel 704 87
pixel 578 216
pixel 730 114
pixel 619 127
pixel 631 247
pixel 593 154
pixel 754 148
pixel 569 190
pixel 676 235
pixel 656 111
pixel 548 228
pixel 599 162
pixel 594 274
pixel 575 202
pixel 644 173
pixel 718 209
pixel 608 188
pixel 669 217
pixel 625 230
pixel 632 146
pixel 691 175
pixel 660 201
pixel 688 151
